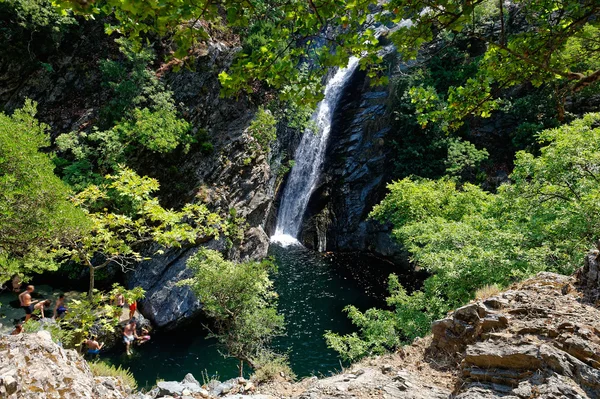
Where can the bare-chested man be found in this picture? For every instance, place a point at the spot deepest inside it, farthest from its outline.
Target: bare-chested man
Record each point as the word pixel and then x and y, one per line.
pixel 129 334
pixel 26 302
pixel 93 346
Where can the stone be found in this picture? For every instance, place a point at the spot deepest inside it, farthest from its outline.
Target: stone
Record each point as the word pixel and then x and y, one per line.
pixel 189 378
pixel 43 366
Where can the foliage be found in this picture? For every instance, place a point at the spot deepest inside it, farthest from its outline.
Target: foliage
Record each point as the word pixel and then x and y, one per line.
pixel 468 238
pixel 285 167
pixel 283 33
pixel 263 130
pixel 464 158
pixel 125 214
pixel 240 301
pixel 558 45
pixel 101 369
pixel 140 115
pixel 59 335
pixel 272 367
pixel 34 208
pixel 34 25
pixel 382 330
pixel 98 316
pixel 567 31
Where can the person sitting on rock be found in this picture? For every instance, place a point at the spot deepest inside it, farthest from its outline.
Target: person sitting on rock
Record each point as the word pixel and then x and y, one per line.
pixel 145 337
pixel 41 306
pixel 129 334
pixel 59 308
pixel 26 302
pixel 93 346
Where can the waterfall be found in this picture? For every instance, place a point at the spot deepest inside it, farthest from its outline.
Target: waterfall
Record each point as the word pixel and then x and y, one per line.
pixel 308 161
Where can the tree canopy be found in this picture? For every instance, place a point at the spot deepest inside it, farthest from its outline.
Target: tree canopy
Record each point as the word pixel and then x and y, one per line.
pixel 526 41
pixel 35 211
pixel 124 214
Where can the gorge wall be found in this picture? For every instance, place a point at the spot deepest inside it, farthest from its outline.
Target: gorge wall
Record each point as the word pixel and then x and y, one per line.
pixel 65 80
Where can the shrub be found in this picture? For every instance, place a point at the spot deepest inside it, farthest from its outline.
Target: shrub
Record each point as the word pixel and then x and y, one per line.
pixel 545 219
pixel 101 369
pixel 263 130
pixel 270 366
pixel 487 291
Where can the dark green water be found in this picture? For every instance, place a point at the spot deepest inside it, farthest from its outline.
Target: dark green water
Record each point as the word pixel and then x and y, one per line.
pixel 313 289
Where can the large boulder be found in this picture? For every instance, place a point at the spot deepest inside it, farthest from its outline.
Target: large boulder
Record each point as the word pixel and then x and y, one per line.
pixel 32 366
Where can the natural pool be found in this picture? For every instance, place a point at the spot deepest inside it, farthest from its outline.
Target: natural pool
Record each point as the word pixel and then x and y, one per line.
pixel 313 290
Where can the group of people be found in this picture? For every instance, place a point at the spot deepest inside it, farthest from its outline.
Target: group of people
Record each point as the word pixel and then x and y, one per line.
pixel 30 305
pixel 129 330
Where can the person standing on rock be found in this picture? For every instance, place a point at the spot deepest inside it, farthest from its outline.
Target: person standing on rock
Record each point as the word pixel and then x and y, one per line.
pixel 129 335
pixel 26 302
pixel 132 309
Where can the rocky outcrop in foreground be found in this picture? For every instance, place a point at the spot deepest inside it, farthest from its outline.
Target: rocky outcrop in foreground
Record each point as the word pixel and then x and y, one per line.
pixel 34 367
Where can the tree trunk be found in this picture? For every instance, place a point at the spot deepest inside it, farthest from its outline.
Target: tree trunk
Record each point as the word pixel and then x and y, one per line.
pixel 91 289
pixel 241 368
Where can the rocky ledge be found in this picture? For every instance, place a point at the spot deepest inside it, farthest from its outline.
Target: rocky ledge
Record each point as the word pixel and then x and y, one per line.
pixel 34 367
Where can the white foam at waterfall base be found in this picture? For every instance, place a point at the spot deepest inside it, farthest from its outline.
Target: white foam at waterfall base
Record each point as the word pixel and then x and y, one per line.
pixel 285 240
pixel 309 160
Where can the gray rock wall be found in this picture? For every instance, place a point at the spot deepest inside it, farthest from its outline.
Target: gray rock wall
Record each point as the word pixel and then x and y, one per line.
pixel 356 171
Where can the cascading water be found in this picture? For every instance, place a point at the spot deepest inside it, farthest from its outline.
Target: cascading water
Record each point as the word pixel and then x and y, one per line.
pixel 309 158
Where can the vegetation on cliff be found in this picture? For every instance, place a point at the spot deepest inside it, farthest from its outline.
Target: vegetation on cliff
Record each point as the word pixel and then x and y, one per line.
pixel 467 238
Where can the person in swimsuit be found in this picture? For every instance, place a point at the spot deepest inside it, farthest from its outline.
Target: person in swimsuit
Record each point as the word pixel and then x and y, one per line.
pixel 26 302
pixel 145 337
pixel 93 347
pixel 59 308
pixel 41 306
pixel 119 300
pixel 129 335
pixel 132 309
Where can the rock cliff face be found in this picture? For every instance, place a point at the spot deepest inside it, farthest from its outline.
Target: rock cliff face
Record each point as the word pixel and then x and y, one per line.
pixel 70 96
pixel 34 367
pixel 356 171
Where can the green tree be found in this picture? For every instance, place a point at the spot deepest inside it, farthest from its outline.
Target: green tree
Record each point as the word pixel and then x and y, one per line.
pixel 141 116
pixel 544 219
pixel 124 215
pixel 240 300
pixel 559 43
pixel 35 211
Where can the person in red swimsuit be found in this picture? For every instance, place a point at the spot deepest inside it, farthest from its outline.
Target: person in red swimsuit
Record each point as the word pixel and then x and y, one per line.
pixel 132 309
